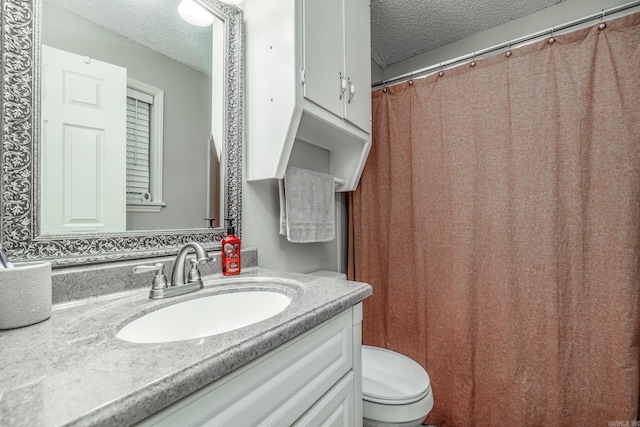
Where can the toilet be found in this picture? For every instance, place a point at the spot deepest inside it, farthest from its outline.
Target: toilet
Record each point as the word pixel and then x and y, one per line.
pixel 396 390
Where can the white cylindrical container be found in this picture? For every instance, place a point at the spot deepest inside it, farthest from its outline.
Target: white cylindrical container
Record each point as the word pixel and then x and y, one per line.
pixel 25 294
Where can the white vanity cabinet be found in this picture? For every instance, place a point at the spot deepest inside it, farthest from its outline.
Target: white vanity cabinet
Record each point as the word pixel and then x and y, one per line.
pixel 314 379
pixel 308 78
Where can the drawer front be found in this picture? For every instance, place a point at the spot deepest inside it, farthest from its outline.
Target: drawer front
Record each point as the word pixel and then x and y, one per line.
pixel 275 389
pixel 335 409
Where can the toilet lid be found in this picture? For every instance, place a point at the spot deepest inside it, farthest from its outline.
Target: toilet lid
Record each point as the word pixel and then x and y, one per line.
pixel 390 377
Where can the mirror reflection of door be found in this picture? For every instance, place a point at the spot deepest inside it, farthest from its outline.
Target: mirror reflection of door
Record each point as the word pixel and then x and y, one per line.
pixel 84 144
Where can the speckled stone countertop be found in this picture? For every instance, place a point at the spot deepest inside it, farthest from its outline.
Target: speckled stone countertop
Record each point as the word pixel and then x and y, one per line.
pixel 72 370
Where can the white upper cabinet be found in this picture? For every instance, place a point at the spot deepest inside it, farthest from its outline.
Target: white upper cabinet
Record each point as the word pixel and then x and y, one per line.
pixel 335 48
pixel 323 54
pixel 358 62
pixel 308 77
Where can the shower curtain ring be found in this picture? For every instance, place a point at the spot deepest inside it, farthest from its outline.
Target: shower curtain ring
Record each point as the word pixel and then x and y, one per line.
pixel 552 39
pixel 473 60
pixel 384 86
pixel 602 25
pixel 508 52
pixel 411 78
pixel 441 73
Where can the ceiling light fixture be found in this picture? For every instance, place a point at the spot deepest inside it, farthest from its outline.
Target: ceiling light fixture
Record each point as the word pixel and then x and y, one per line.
pixel 194 13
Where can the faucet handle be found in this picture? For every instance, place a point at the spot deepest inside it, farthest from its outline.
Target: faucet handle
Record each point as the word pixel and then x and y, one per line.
pixel 138 269
pixel 159 283
pixel 203 259
pixel 194 273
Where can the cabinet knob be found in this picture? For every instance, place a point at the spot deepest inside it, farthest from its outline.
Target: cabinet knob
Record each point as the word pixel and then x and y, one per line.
pixel 352 90
pixel 343 85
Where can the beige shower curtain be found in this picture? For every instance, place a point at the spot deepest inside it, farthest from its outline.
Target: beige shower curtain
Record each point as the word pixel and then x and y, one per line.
pixel 498 221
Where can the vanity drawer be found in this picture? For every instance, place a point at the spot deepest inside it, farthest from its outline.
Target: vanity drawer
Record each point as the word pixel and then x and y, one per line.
pixel 336 408
pixel 274 390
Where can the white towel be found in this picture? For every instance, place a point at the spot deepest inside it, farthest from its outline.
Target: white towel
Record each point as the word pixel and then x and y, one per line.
pixel 307 201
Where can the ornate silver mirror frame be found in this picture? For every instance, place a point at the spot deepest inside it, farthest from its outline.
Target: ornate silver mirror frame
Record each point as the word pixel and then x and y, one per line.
pixel 20 134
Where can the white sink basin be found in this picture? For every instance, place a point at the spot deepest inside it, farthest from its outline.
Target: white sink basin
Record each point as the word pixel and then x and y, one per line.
pixel 204 316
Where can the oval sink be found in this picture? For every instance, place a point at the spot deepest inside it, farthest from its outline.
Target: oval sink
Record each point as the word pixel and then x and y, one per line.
pixel 206 316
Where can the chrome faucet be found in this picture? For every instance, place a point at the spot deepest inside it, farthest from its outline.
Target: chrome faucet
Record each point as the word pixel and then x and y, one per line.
pixel 161 289
pixel 177 277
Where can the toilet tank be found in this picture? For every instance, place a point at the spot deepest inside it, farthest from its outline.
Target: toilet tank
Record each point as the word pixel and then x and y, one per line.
pixel 330 274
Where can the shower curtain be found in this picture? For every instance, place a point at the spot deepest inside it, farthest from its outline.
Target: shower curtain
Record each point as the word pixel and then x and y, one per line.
pixel 498 219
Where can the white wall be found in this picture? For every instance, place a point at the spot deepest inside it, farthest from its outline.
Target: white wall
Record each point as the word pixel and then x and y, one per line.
pixel 545 19
pixel 260 222
pixel 376 72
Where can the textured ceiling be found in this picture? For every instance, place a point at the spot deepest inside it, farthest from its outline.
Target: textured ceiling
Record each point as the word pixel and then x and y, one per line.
pixel 151 23
pixel 401 29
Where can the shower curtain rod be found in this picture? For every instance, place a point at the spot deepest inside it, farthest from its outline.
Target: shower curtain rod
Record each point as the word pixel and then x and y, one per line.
pixel 447 64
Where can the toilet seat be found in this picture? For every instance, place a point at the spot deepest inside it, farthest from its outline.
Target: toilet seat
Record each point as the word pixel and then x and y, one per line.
pixel 391 378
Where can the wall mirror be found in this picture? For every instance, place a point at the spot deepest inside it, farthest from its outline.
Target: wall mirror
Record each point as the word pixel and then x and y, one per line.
pixel 194 73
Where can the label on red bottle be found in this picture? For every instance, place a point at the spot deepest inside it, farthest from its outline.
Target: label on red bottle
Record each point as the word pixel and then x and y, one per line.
pixel 231 259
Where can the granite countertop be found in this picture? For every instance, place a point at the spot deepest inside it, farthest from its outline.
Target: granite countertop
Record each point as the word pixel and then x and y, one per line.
pixel 72 370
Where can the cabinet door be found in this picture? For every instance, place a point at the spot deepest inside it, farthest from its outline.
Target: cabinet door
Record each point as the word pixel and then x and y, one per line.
pixel 335 409
pixel 358 63
pixel 323 53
